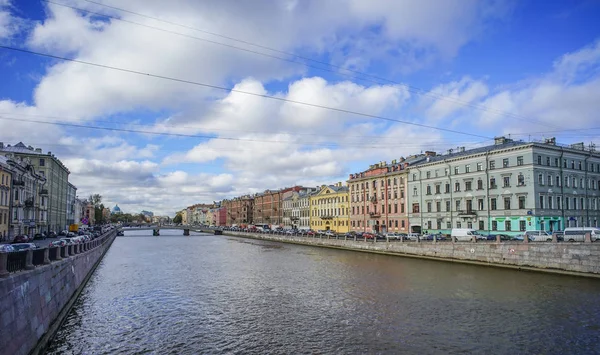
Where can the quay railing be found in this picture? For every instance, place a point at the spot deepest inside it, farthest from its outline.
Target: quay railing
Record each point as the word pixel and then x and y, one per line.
pixel 29 259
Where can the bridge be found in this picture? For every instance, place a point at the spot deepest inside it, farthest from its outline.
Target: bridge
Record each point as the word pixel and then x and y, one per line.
pixel 186 229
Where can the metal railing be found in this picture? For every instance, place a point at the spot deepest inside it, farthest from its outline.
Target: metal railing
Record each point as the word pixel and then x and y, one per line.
pixel 28 259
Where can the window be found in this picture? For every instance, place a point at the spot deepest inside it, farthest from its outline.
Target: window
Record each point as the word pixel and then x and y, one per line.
pixel 556 162
pixel 572 164
pixel 541 201
pixel 548 161
pixel 480 204
pixel 402 193
pixel 521 202
pixel 401 208
pixel 481 226
pixel 565 163
pixel 469 224
pixel 521 180
pixel 539 160
pixel 550 203
pixel 522 226
pixel 428 174
pixel 468 185
pixel 557 180
pixel 446 172
pixel 448 208
pixel 437 189
pixel 403 224
pixel 566 203
pixel 438 206
pixel 507 226
pixel 505 163
pixel 520 160
pixel 541 179
pixel 479 184
pixel 395 208
pixel 580 168
pixel 494 225
pixel 456 170
pixel 428 190
pixel 395 181
pixel 439 225
pixel 492 165
pixel 567 181
pixel 447 190
pixel 448 225
pixel 469 205
pixel 493 205
pixel 458 225
pixel 414 177
pixel 456 186
pixel 550 180
pixel 479 167
pixel 506 181
pixel 428 206
pixel 42 162
pixel 457 205
pixel 507 203
pixel 558 203
pixel 415 193
pixel 574 182
pixel 493 183
pixel 467 168
pixel 415 208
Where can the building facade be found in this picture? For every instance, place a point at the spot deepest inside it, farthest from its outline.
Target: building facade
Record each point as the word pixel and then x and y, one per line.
pixel 239 210
pixel 56 176
pixel 378 202
pixel 330 208
pixel 5 198
pixel 267 208
pixel 71 196
pixel 296 209
pixel 78 214
pixel 509 187
pixel 28 213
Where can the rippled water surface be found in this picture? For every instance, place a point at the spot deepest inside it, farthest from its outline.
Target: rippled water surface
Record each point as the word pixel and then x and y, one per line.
pixel 215 294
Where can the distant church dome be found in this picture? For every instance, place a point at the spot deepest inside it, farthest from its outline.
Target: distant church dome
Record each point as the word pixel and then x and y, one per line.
pixel 116 209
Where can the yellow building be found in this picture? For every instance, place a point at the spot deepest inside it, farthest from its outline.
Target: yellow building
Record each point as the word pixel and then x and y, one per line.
pixel 330 209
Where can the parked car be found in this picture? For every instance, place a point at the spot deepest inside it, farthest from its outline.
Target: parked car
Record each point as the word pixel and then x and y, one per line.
pixel 24 246
pixel 40 236
pixel 412 236
pixel 6 248
pixel 393 236
pixel 52 235
pixel 21 239
pixel 466 234
pixel 539 236
pixel 330 233
pixel 368 235
pixel 311 233
pixel 57 243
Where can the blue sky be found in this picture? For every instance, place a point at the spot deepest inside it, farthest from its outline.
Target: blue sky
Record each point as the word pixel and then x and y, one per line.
pixel 529 67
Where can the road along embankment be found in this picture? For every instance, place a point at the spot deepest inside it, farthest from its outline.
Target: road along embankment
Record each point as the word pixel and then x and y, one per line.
pixel 36 297
pixel 580 259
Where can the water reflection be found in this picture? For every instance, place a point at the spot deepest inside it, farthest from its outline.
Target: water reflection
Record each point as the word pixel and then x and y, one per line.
pixel 209 294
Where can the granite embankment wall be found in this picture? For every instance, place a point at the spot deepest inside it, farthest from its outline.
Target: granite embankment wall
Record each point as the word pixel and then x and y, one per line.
pixel 33 303
pixel 567 258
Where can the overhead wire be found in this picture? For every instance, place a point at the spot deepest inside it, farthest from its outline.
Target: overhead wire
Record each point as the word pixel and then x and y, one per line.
pixel 244 92
pixel 374 78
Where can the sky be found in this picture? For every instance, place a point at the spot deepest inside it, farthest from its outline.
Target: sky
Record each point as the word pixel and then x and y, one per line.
pixel 157 105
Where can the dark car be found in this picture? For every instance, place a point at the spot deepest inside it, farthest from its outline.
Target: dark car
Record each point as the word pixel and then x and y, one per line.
pixel 21 239
pixel 52 235
pixel 41 236
pixel 24 246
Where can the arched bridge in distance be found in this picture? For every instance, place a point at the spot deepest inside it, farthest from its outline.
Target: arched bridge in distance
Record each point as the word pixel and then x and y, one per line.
pixel 185 228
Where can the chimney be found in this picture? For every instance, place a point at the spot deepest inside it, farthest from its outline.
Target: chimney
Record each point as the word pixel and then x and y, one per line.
pixel 501 140
pixel 461 149
pixel 49 153
pixel 430 154
pixel 551 141
pixel 38 150
pixel 394 161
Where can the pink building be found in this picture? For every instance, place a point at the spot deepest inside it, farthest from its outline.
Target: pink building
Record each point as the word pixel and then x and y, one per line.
pixel 220 216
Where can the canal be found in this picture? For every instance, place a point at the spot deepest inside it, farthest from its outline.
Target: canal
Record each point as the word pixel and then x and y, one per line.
pixel 216 294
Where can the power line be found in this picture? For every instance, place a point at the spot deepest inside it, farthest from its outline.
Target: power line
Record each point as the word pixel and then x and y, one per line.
pixel 323 144
pixel 243 92
pixel 375 79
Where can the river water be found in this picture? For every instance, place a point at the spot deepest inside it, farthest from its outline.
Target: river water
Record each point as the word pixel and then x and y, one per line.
pixel 207 294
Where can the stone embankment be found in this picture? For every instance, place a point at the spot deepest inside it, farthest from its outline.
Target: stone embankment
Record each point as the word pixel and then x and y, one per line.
pixel 36 297
pixel 582 259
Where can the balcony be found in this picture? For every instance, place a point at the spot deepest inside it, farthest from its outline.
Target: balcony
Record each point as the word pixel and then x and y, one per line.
pixel 467 214
pixel 374 214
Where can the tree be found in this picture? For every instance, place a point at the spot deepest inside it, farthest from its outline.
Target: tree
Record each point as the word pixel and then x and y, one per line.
pixel 99 213
pixel 95 200
pixel 178 218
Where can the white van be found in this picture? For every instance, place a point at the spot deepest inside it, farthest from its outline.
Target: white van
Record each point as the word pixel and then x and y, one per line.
pixel 577 234
pixel 466 234
pixel 538 236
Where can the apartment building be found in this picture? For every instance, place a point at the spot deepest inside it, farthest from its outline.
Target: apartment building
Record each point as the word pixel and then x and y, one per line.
pixel 378 201
pixel 239 210
pixel 5 194
pixel 56 177
pixel 296 209
pixel 330 208
pixel 508 187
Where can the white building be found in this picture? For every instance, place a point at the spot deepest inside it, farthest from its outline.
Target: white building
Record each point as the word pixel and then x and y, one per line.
pixel 508 188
